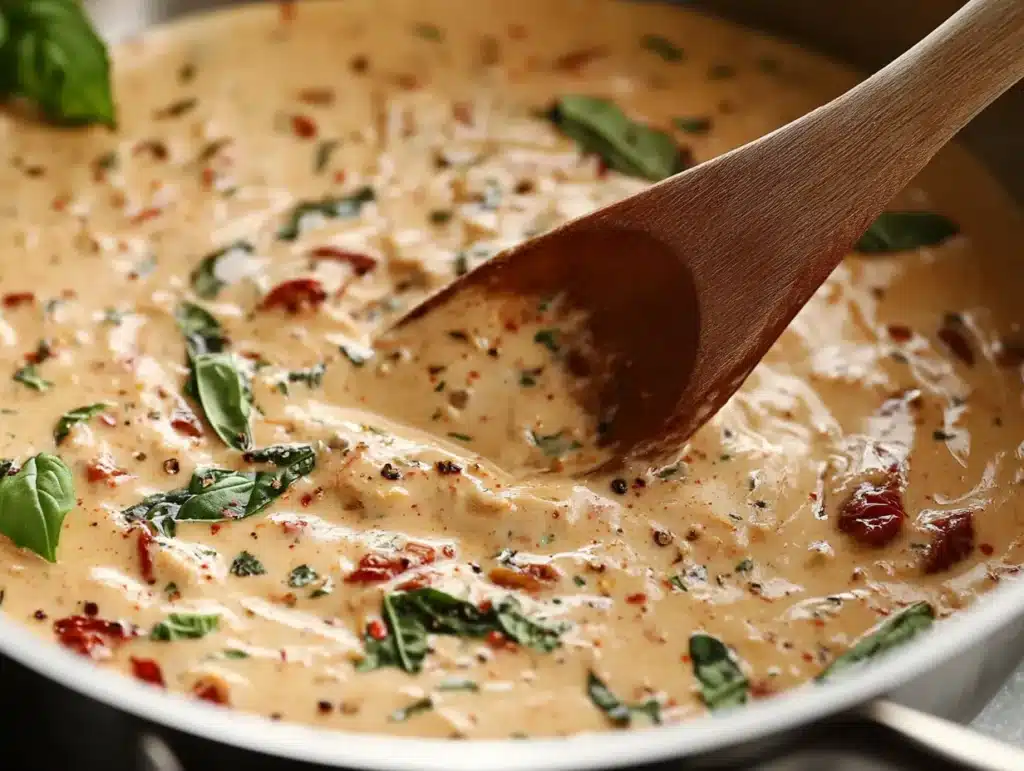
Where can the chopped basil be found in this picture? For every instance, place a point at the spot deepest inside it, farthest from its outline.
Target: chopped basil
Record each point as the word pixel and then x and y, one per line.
pixel 218 495
pixel 898 231
pixel 201 330
pixel 668 471
pixel 693 125
pixel 618 713
pixel 185 626
pixel 34 502
pixel 75 416
pixel 50 54
pixel 245 564
pixel 325 208
pixel 460 437
pixel 458 684
pixel 663 47
pixel 324 150
pixel 600 127
pixel 404 713
pixel 301 576
pixel 225 398
pixel 428 32
pixel 891 633
pixel 233 654
pixel 722 682
pixel 744 566
pixel 528 377
pixel 29 376
pixel 312 377
pixel 205 281
pixel 411 616
pixel 555 445
pixel 548 338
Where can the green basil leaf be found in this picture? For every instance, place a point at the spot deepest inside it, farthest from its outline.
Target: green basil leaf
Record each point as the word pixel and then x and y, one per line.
pixel 722 682
pixel 34 502
pixel 301 576
pixel 75 416
pixel 899 231
pixel 29 376
pixel 411 616
pixel 184 626
pixel 246 564
pixel 663 47
pixel 219 495
pixel 404 713
pixel 201 330
pixel 891 633
pixel 555 445
pixel 52 56
pixel 330 207
pixel 225 398
pixel 619 713
pixel 312 377
pixel 600 127
pixel 205 281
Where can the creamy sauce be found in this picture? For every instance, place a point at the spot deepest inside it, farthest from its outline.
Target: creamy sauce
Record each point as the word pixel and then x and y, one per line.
pixel 227 123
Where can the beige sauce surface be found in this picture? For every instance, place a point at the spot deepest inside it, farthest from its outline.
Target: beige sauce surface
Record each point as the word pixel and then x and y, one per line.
pixel 226 124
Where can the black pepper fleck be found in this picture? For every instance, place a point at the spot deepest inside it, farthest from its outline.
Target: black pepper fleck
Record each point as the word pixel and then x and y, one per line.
pixel 91 609
pixel 620 486
pixel 390 472
pixel 39 615
pixel 171 466
pixel 324 707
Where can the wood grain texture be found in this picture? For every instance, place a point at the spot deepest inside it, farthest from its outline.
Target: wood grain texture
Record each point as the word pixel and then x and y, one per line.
pixel 689 283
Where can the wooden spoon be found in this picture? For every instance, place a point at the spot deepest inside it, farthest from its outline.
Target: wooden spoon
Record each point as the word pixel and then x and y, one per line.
pixel 688 284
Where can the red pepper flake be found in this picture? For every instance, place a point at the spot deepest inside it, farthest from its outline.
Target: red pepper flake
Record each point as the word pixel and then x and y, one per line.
pixel 361 263
pixel 90 636
pixel 320 97
pixel 213 690
pixel 900 333
pixel 147 214
pixel 873 515
pixel 953 334
pixel 304 127
pixel 376 629
pixel 374 568
pixel 576 61
pixel 418 581
pixel 463 113
pixel 953 540
pixel 762 689
pixel 148 671
pixel 185 422
pixel 636 599
pixel 14 299
pixel 448 551
pixel 295 295
pixel 359 64
pixel 498 641
pixel 144 546
pixel 986 549
pixel 103 468
pixel 306 499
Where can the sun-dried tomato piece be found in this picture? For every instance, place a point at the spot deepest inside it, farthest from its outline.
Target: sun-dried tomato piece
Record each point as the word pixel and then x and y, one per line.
pixel 873 515
pixel 14 299
pixel 90 636
pixel 375 568
pixel 148 671
pixel 509 578
pixel 295 295
pixel 103 469
pixel 954 333
pixel 952 541
pixel 361 263
pixel 185 421
pixel 144 545
pixel 900 333
pixel 376 629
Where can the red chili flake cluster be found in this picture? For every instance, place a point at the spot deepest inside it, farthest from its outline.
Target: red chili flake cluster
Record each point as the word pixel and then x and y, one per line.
pixel 148 671
pixel 295 295
pixel 636 599
pixel 374 568
pixel 575 61
pixel 185 421
pixel 103 469
pixel 144 545
pixel 952 541
pixel 90 636
pixel 361 263
pixel 376 629
pixel 304 127
pixel 900 333
pixel 211 690
pixel 873 515
pixel 14 299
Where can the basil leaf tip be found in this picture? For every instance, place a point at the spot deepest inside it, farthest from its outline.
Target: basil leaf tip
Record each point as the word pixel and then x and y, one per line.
pixel 900 231
pixel 619 713
pixel 34 502
pixel 185 626
pixel 73 417
pixel 891 633
pixel 721 679
pixel 51 55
